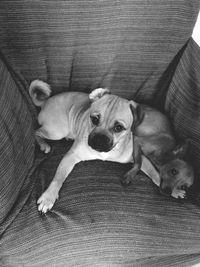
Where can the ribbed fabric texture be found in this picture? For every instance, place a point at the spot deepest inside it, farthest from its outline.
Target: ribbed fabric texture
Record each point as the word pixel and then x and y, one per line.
pixel 129 47
pixel 97 222
pixel 183 99
pixel 16 142
pixel 81 45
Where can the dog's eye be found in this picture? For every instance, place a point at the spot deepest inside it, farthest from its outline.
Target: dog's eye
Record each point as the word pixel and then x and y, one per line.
pixel 118 128
pixel 174 171
pixel 95 119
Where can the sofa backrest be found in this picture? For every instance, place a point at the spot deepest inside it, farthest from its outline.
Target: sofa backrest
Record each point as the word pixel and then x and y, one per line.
pixel 80 45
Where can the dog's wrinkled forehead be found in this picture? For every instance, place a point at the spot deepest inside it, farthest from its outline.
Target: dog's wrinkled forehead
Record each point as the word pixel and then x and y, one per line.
pixel 112 108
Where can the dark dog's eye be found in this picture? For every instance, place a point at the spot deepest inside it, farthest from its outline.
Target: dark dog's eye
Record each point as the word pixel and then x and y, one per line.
pixel 118 128
pixel 95 119
pixel 174 171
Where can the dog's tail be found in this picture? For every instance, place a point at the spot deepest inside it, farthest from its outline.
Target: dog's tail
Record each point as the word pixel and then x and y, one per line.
pixel 39 92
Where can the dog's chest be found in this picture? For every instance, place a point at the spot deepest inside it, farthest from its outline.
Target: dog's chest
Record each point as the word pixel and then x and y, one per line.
pixel 123 154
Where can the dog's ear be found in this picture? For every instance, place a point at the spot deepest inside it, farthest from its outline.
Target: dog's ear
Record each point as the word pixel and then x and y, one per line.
pixel 137 112
pixel 181 150
pixel 98 93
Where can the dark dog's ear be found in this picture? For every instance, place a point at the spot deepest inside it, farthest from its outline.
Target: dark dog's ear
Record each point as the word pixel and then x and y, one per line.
pixel 138 114
pixel 98 93
pixel 181 150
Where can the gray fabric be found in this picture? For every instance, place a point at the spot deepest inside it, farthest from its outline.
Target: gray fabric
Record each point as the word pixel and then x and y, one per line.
pixel 183 100
pixel 80 45
pixel 97 222
pixel 16 142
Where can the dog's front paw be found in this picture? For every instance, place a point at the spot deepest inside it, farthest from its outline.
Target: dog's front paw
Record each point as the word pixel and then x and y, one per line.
pixel 47 200
pixel 45 147
pixel 125 181
pixel 178 193
pixel 128 177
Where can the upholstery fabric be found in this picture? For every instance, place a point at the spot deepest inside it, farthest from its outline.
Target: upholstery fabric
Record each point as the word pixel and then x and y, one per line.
pixel 17 143
pixel 138 49
pixel 81 45
pixel 183 99
pixel 97 222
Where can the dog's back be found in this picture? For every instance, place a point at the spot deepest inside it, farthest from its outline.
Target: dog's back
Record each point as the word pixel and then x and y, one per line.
pixel 154 133
pixel 153 123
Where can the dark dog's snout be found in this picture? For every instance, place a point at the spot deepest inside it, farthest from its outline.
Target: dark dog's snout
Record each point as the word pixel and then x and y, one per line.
pixel 100 142
pixel 166 190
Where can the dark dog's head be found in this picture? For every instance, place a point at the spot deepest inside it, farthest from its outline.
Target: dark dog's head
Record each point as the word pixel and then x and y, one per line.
pixel 176 175
pixel 111 120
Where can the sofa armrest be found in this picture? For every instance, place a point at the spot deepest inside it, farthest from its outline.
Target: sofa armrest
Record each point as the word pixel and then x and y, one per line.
pixel 183 98
pixel 16 141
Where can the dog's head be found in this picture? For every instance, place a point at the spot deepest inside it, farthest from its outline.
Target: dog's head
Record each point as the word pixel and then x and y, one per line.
pixel 110 119
pixel 177 173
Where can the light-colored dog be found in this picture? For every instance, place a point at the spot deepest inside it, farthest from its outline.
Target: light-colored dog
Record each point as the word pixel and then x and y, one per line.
pixel 99 123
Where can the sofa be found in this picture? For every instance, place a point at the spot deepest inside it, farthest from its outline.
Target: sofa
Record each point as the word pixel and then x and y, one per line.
pixel 141 50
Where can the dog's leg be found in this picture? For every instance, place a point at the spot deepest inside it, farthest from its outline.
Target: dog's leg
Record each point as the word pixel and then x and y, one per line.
pixel 48 198
pixel 150 171
pixel 178 193
pixel 137 158
pixel 40 134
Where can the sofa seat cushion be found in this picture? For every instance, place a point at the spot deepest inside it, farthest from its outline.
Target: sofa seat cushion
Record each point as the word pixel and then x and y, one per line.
pixel 97 222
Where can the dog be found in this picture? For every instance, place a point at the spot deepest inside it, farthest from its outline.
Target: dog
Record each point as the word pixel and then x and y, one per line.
pixel 102 127
pixel 99 123
pixel 154 143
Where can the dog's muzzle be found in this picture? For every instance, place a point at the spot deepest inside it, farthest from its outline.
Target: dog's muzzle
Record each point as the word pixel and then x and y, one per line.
pixel 167 191
pixel 165 188
pixel 100 142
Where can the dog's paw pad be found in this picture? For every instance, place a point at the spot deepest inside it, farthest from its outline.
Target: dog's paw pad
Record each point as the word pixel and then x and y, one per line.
pixel 178 193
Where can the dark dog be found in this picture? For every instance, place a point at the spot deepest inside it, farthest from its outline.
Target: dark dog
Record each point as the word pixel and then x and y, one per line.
pixel 154 144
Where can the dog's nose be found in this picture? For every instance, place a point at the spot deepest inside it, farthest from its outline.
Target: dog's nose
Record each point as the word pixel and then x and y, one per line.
pixel 166 191
pixel 100 142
